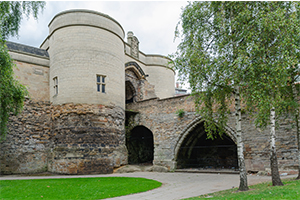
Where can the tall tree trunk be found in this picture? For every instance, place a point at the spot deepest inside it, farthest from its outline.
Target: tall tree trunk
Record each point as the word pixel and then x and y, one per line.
pixel 276 181
pixel 297 125
pixel 240 145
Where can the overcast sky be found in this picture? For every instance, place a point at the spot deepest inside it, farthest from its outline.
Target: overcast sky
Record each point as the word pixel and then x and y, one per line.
pixel 152 22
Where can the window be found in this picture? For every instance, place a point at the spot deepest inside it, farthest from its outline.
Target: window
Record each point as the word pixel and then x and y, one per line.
pixel 55 85
pixel 101 83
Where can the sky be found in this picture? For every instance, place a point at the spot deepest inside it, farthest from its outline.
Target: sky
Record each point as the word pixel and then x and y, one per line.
pixel 152 22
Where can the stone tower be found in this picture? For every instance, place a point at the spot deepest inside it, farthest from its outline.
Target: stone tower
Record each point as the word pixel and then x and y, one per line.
pixel 85 44
pixel 87 84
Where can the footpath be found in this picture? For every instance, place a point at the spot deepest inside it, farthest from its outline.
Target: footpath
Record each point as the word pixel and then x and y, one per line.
pixel 174 185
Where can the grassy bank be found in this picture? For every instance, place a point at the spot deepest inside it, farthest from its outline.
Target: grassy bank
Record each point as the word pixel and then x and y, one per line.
pixel 263 191
pixel 74 188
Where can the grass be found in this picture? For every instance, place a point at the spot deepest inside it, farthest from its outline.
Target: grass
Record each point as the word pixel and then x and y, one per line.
pixel 263 191
pixel 74 188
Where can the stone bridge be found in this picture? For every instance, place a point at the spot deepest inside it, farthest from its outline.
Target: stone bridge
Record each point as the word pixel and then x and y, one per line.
pixel 180 142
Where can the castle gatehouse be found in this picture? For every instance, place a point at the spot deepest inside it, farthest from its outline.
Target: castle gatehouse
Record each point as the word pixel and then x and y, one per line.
pixel 97 102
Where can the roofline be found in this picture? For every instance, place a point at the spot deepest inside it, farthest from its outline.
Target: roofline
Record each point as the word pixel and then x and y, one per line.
pixel 87 11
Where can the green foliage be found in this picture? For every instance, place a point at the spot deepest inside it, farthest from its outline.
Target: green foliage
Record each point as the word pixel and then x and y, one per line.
pixel 210 56
pixel 253 45
pixel 12 93
pixel 227 47
pixel 273 58
pixel 180 113
pixel 11 14
pixel 74 188
pixel 290 190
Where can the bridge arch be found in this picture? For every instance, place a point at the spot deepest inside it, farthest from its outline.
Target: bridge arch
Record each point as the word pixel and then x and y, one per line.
pixel 193 150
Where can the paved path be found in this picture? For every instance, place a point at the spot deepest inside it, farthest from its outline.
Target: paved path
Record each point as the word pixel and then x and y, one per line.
pixel 175 185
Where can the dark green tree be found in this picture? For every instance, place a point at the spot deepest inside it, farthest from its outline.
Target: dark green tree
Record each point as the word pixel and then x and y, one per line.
pixel 12 93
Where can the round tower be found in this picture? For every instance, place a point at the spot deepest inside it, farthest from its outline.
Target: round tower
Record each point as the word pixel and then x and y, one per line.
pixel 87 91
pixel 86 51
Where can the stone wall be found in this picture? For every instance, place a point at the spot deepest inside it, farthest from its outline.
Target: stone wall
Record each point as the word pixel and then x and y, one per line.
pixel 86 139
pixel 169 131
pixel 32 69
pixel 28 141
pixel 66 139
pixel 89 139
pixel 35 78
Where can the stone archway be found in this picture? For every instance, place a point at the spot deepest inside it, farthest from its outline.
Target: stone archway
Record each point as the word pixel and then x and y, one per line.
pixel 139 143
pixel 130 92
pixel 194 150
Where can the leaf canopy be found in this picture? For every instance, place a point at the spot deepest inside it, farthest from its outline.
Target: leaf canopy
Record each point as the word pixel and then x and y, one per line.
pixel 253 45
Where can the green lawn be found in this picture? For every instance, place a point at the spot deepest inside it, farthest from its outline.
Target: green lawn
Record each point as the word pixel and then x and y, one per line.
pixel 263 191
pixel 74 188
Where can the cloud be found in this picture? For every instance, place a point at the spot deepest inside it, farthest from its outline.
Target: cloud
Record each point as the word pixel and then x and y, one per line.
pixel 153 22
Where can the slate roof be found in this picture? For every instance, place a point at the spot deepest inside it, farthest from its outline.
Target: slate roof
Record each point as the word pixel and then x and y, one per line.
pixel 12 46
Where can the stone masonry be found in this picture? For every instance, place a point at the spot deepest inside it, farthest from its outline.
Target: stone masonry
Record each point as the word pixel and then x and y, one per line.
pixel 71 126
pixel 67 139
pixel 29 142
pixel 88 139
pixel 169 131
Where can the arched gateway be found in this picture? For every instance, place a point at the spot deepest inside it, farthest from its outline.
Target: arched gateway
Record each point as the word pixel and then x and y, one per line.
pixel 194 150
pixel 139 143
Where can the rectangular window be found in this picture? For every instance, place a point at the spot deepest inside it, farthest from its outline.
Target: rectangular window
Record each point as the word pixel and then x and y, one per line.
pixel 101 83
pixel 55 85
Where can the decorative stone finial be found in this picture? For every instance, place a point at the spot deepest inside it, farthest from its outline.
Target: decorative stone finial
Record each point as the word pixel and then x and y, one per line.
pixel 134 44
pixel 129 37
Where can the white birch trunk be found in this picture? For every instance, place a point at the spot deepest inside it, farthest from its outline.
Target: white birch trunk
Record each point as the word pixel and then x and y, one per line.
pixel 297 126
pixel 273 157
pixel 240 145
pixel 272 121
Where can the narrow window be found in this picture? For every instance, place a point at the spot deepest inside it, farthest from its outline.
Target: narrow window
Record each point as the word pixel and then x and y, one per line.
pixel 101 83
pixel 55 85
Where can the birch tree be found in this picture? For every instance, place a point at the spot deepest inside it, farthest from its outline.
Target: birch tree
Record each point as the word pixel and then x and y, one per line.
pixel 271 53
pixel 210 57
pixel 244 49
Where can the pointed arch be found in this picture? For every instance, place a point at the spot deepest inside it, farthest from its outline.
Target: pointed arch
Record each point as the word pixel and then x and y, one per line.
pixel 190 127
pixel 136 69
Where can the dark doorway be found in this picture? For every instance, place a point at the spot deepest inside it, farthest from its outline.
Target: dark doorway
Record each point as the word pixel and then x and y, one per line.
pixel 197 151
pixel 140 146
